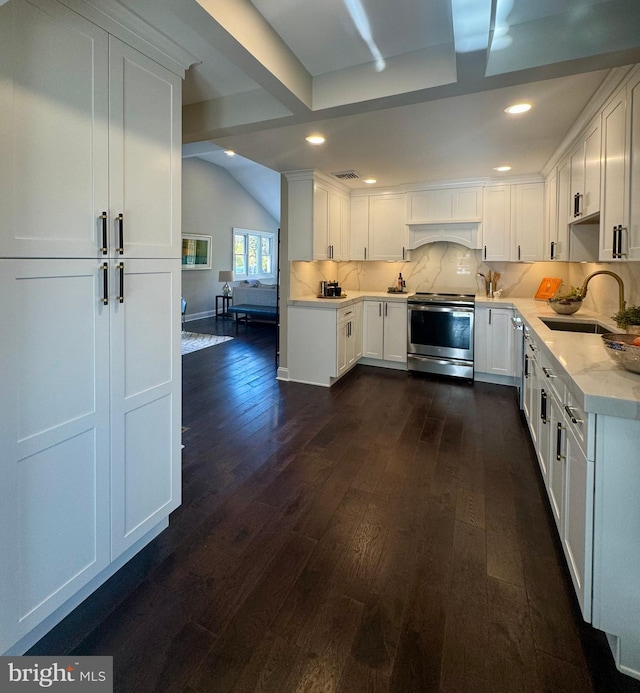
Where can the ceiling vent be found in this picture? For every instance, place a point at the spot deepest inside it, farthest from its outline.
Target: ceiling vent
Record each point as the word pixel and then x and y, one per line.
pixel 346 175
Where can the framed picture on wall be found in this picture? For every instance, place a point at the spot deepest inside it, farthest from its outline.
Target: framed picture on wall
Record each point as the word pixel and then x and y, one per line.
pixel 196 252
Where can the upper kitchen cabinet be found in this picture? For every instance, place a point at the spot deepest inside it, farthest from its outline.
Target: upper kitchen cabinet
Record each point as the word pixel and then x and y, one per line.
pixel 556 245
pixel 585 175
pixel 378 230
pixel 496 224
pixel 90 141
pixel 620 225
pixel 527 222
pixel 319 212
pixel 444 205
pixel 513 222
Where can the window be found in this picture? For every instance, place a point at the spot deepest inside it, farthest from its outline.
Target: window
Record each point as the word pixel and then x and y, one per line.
pixel 254 254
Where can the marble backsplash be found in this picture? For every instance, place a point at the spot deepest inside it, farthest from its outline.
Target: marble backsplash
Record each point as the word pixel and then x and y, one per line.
pixel 452 267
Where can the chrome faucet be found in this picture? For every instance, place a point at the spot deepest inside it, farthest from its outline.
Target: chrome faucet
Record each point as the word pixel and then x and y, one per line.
pixel 622 302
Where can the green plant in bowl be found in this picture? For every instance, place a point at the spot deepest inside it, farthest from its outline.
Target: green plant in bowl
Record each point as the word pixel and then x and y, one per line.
pixel 568 302
pixel 628 319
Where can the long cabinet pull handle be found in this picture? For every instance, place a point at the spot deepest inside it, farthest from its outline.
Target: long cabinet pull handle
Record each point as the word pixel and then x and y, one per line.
pixel 365 253
pixel 570 413
pixel 526 365
pixel 120 268
pixel 403 252
pixel 485 252
pixel 543 406
pixel 120 247
pixel 105 248
pixel 621 228
pixel 519 252
pixel 105 283
pixel 553 249
pixel 614 253
pixel 379 310
pixel 559 455
pixel 386 309
pixel 489 315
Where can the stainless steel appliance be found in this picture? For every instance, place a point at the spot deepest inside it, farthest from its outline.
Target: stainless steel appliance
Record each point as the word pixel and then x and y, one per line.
pixel 440 334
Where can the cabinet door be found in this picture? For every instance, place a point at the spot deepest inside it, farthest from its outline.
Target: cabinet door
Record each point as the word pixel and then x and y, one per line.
pixel 53 132
pixel 496 223
pixel 54 422
pixel 359 229
pixel 372 329
pixel 145 398
pixel 335 235
pixel 356 331
pixel 499 344
pixel 320 223
pixel 577 530
pixel 556 244
pixel 556 462
pixel 613 173
pixel 528 221
pixel 532 392
pixel 564 208
pixel 395 332
pixel 631 244
pixel 592 155
pixel 576 164
pixel 145 154
pixel 387 230
pixel 343 339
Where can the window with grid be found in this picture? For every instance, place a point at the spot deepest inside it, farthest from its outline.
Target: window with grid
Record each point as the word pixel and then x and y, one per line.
pixel 254 254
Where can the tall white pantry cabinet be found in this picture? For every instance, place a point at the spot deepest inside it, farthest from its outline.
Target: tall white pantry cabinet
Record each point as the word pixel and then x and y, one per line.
pixel 90 380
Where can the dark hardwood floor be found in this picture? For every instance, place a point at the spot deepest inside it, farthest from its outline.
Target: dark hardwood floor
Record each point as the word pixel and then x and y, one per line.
pixel 388 534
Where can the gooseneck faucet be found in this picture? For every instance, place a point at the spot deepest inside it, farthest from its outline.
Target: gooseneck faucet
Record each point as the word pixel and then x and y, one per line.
pixel 622 302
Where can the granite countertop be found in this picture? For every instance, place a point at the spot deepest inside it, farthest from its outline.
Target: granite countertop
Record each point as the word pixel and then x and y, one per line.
pixel 597 383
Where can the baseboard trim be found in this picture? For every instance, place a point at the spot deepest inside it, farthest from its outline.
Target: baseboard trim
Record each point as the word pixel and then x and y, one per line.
pixel 199 316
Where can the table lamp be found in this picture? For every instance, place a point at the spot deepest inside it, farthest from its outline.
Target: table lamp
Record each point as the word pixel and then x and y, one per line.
pixel 225 276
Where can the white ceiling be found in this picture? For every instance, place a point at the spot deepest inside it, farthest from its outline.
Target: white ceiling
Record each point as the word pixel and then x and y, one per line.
pixel 272 71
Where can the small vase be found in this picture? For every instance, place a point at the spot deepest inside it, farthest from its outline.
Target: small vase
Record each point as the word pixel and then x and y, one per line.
pixel 633 329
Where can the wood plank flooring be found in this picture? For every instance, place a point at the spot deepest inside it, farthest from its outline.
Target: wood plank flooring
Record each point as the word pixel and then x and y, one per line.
pixel 386 535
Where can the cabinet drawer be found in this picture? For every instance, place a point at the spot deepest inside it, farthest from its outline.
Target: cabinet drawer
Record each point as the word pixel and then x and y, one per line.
pixel 576 419
pixel 552 378
pixel 346 313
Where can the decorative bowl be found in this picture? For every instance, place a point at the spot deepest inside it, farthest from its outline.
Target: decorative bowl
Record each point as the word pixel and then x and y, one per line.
pixel 621 350
pixel 565 306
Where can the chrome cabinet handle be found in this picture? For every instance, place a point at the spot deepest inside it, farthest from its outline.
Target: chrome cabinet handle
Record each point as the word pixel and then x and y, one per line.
pixel 120 247
pixel 120 268
pixel 576 205
pixel 543 406
pixel 105 248
pixel 105 283
pixel 570 413
pixel 548 373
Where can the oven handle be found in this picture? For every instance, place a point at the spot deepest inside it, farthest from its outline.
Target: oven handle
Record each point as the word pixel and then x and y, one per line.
pixel 439 308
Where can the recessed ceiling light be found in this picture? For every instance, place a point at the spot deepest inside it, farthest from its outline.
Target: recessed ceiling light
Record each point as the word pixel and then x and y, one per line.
pixel 502 168
pixel 518 108
pixel 229 152
pixel 369 181
pixel 315 139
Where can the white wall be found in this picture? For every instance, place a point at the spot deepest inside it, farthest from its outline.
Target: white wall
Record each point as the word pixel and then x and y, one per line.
pixel 212 204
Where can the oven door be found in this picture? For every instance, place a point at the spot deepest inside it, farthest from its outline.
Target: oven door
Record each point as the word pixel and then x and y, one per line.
pixel 441 331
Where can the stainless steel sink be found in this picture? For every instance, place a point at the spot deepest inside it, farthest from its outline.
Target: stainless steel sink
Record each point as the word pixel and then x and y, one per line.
pixel 590 327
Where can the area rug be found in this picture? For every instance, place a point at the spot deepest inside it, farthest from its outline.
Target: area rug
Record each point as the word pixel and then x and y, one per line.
pixel 192 341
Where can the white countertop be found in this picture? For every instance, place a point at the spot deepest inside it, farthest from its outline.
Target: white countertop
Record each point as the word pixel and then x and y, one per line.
pixel 598 384
pixel 312 301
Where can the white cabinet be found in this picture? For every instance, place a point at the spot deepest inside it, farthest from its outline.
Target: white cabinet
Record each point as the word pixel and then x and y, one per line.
pixel 556 188
pixel 631 245
pixel 493 345
pixel 585 175
pixel 385 331
pixel 349 338
pixel 378 230
pixel 451 205
pixel 614 155
pixel 527 210
pixel 66 156
pixel 496 223
pixel 318 217
pixel 91 384
pixel 513 223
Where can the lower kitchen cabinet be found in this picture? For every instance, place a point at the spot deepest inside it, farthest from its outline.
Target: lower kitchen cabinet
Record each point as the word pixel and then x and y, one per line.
pixel 385 331
pixel 493 345
pixel 90 424
pixel 349 337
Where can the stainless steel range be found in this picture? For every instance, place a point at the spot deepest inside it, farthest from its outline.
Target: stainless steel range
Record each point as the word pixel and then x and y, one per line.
pixel 440 334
